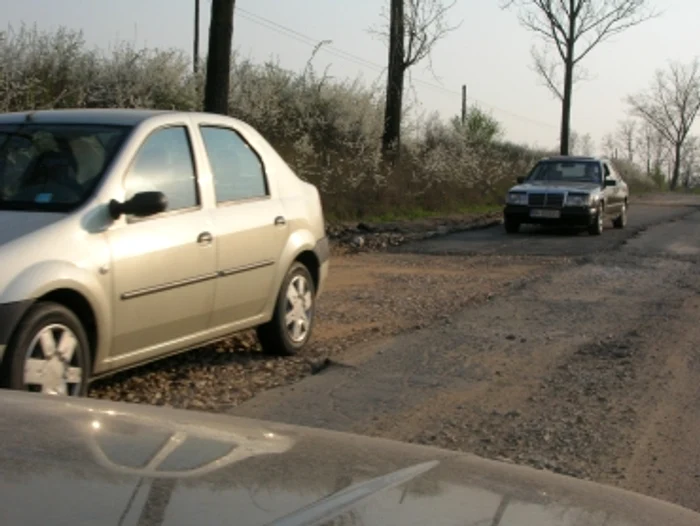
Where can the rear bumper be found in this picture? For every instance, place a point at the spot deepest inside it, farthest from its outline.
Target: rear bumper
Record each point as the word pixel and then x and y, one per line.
pixel 570 216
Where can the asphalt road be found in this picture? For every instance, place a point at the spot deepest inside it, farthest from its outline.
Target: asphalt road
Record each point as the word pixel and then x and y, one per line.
pixel 534 240
pixel 590 370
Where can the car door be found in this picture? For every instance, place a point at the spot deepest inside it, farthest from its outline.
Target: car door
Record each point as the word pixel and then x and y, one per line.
pixel 612 193
pixel 164 266
pixel 249 226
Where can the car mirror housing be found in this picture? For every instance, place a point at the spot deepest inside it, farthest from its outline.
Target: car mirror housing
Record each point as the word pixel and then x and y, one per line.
pixel 142 204
pixel 610 182
pixel 520 179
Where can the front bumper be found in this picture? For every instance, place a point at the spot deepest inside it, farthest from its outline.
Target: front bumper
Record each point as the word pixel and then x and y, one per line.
pixel 569 216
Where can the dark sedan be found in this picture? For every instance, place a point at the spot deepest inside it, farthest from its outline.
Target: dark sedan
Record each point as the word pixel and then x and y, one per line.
pixel 568 191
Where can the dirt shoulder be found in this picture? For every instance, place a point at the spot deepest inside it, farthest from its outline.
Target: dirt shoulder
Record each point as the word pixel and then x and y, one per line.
pixel 368 296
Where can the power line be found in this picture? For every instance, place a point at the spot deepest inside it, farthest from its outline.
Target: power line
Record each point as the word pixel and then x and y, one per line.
pixel 339 53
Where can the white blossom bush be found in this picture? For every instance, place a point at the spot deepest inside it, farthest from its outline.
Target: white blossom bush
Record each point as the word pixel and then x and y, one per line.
pixel 329 131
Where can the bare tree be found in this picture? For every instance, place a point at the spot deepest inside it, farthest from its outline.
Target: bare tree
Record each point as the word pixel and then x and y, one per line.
pixel 574 142
pixel 415 27
pixel 689 161
pixel 587 144
pixel 670 107
pixel 650 145
pixel 573 28
pixel 609 145
pixel 216 90
pixel 626 134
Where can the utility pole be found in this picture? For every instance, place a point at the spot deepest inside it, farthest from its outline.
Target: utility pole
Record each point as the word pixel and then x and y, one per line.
pixel 464 104
pixel 196 37
pixel 216 88
pixel 391 138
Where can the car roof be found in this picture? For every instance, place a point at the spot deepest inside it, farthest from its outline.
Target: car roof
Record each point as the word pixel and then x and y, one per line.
pixel 109 116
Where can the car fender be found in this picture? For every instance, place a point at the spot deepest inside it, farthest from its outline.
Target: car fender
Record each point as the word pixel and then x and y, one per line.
pixel 45 277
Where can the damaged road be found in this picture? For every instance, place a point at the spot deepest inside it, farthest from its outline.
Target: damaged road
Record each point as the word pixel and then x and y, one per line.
pixel 586 363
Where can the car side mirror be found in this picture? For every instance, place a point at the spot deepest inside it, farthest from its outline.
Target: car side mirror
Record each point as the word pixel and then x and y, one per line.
pixel 142 204
pixel 610 182
pixel 520 179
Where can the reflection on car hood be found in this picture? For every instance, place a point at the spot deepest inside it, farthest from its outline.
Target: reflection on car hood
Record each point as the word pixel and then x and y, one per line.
pixel 83 461
pixel 15 224
pixel 555 185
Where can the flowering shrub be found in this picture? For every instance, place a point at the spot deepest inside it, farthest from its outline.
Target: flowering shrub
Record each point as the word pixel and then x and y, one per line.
pixel 328 131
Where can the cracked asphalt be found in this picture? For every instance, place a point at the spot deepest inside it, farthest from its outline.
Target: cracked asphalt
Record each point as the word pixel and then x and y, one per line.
pixel 589 368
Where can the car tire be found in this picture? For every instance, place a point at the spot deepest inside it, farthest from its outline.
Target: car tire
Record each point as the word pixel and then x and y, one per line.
pixel 512 227
pixel 292 322
pixel 45 328
pixel 596 228
pixel 621 220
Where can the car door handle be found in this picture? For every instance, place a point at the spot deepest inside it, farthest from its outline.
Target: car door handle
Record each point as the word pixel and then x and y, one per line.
pixel 280 220
pixel 205 238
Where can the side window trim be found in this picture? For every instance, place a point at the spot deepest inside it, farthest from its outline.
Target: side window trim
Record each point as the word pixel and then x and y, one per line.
pixel 203 124
pixel 190 147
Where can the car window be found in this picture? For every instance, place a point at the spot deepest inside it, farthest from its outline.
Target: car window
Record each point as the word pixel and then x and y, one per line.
pixel 575 171
pixel 164 164
pixel 54 166
pixel 237 170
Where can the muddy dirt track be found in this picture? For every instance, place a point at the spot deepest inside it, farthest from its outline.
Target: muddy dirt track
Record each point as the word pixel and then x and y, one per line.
pixel 571 353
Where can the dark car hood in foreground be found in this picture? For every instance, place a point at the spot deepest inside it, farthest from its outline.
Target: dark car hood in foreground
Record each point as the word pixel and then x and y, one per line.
pixel 86 462
pixel 567 186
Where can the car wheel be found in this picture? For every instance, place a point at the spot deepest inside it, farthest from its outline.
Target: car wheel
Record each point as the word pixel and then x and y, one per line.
pixel 512 227
pixel 49 353
pixel 596 228
pixel 621 220
pixel 293 319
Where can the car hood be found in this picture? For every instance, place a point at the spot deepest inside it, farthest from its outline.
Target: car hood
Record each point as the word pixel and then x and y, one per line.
pixel 16 224
pixel 93 462
pixel 556 185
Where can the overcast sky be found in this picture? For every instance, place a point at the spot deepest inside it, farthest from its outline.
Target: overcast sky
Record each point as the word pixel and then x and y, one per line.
pixel 490 52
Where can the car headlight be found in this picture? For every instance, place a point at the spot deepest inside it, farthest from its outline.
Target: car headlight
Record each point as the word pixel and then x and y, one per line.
pixel 578 199
pixel 516 198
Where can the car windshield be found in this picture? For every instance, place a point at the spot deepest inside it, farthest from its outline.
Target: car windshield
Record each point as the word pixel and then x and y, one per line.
pixel 567 171
pixel 54 167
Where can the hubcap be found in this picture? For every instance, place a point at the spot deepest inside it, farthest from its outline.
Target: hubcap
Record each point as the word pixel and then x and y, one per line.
pixel 297 318
pixel 52 363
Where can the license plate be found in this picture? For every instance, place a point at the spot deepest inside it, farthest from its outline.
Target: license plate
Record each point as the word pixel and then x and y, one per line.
pixel 549 214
